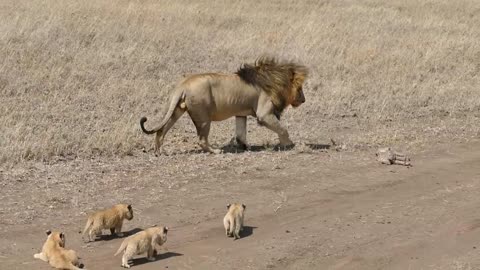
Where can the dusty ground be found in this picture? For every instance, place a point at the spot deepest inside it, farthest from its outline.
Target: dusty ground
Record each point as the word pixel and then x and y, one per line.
pixel 76 76
pixel 319 210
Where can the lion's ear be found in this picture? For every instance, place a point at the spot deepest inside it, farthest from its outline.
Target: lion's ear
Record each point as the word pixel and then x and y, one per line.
pixel 292 74
pixel 228 206
pixel 244 206
pixel 48 232
pixel 129 207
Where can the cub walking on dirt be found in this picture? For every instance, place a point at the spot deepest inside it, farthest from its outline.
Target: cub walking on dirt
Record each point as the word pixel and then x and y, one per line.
pixel 54 252
pixel 141 242
pixel 233 220
pixel 111 218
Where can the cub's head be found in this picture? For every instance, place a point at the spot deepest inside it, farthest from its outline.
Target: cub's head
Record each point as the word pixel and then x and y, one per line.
pixel 127 211
pixel 56 237
pixel 236 205
pixel 161 234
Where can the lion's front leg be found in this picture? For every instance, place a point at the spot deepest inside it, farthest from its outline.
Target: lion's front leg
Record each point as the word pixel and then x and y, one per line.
pixel 272 123
pixel 241 132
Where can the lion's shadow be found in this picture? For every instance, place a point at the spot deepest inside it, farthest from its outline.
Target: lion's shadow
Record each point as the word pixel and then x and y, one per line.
pixel 247 231
pixel 158 256
pixel 233 149
pixel 108 236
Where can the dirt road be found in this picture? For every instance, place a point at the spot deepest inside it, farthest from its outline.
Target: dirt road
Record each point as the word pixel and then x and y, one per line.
pixel 304 211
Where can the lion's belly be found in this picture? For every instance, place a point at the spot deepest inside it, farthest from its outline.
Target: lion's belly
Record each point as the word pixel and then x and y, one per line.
pixel 233 102
pixel 224 113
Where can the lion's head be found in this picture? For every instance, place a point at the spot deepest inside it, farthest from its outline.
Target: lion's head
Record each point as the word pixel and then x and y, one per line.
pixel 57 237
pixel 128 212
pixel 281 81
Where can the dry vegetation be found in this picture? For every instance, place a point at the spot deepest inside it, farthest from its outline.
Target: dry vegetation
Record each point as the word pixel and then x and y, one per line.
pixel 76 76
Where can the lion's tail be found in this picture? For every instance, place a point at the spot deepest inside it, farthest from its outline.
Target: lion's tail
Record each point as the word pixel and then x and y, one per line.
pixel 122 247
pixel 177 97
pixel 88 225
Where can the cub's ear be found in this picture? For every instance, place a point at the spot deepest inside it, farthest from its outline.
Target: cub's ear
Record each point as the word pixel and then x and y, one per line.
pixel 48 232
pixel 228 206
pixel 129 207
pixel 62 235
pixel 165 229
pixel 244 206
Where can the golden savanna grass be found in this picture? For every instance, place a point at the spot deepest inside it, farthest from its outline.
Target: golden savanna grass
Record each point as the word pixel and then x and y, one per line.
pixel 76 76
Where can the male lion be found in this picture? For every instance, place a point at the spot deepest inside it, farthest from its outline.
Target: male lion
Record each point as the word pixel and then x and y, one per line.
pixel 263 90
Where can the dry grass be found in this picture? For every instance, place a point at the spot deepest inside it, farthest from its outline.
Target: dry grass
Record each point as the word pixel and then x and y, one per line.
pixel 76 76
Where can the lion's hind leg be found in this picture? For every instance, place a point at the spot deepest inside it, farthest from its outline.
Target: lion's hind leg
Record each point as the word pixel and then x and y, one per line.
pixel 179 111
pixel 128 255
pixel 41 256
pixel 203 129
pixel 94 233
pixel 226 225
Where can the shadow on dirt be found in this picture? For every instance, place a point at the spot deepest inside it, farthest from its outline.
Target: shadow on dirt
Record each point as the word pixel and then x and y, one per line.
pixel 107 237
pixel 235 149
pixel 161 256
pixel 247 231
pixel 231 148
pixel 315 146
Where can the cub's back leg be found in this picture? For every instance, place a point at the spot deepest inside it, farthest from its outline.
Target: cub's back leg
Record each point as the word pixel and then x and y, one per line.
pixel 226 225
pixel 41 256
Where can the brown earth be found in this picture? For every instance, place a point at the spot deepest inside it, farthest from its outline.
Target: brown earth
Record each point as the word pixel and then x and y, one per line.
pixel 76 76
pixel 318 210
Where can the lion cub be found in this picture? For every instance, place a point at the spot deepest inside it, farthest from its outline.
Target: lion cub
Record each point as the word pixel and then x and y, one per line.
pixel 141 242
pixel 111 218
pixel 233 220
pixel 54 252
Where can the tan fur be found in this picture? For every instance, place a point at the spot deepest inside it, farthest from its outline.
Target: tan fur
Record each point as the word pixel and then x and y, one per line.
pixel 141 242
pixel 263 89
pixel 54 252
pixel 108 219
pixel 233 220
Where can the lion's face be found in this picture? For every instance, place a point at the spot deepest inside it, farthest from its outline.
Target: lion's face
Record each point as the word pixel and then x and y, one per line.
pixel 57 237
pixel 299 97
pixel 129 215
pixel 162 235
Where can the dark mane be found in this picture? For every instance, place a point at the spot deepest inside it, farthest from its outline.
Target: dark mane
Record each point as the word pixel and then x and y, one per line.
pixel 279 80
